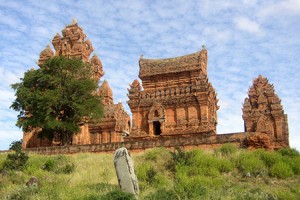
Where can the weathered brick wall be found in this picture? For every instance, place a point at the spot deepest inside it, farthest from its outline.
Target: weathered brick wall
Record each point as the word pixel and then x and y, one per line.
pixel 186 141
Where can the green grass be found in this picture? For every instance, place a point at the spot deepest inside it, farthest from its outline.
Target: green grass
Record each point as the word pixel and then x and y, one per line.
pixel 225 173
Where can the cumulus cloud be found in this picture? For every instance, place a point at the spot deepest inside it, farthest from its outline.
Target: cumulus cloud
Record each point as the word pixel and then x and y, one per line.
pixel 248 25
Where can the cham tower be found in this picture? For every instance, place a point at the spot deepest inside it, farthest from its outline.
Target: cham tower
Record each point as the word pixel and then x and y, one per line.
pixel 176 99
pixel 174 105
pixel 114 122
pixel 73 44
pixel 264 114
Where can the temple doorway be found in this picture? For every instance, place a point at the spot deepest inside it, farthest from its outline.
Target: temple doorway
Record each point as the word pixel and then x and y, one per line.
pixel 156 128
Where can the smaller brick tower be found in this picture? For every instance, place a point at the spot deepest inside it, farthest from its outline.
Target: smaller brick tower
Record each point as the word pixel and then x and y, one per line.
pixel 263 113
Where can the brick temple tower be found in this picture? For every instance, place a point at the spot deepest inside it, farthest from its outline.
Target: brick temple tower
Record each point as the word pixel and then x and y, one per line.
pixel 264 114
pixel 73 44
pixel 176 98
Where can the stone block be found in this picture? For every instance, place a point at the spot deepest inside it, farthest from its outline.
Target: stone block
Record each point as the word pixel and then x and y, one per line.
pixel 127 179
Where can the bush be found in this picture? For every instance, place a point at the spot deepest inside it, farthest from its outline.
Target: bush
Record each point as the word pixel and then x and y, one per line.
pixel 162 194
pixel 224 165
pixel 180 157
pixel 59 164
pixel 146 173
pixel 16 145
pixel 190 188
pixel 294 163
pixel 16 160
pixel 23 193
pixel 228 149
pixel 50 165
pixel 289 152
pixel 118 195
pixel 269 158
pixel 254 194
pixel 195 163
pixel 281 170
pixel 154 154
pixel 249 163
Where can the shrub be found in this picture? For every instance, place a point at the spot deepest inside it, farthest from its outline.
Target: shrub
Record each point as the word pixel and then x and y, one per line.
pixel 190 188
pixel 294 163
pixel 249 163
pixel 59 164
pixel 146 173
pixel 224 165
pixel 228 149
pixel 23 193
pixel 50 165
pixel 281 170
pixel 118 195
pixel 196 162
pixel 254 194
pixel 16 145
pixel 180 157
pixel 289 152
pixel 206 164
pixel 154 154
pixel 162 194
pixel 68 168
pixel 16 160
pixel 269 158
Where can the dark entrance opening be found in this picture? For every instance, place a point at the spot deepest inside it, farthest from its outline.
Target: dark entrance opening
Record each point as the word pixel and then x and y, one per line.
pixel 156 128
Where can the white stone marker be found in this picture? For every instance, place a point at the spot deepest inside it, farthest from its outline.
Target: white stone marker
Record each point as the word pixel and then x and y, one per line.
pixel 125 172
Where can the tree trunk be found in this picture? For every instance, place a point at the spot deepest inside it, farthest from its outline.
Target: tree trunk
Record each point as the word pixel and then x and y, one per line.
pixel 66 138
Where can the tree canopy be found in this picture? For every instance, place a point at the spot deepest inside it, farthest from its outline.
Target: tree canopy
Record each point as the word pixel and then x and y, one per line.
pixel 56 98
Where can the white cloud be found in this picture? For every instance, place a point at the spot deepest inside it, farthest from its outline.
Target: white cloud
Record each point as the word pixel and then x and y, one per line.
pixel 279 8
pixel 248 25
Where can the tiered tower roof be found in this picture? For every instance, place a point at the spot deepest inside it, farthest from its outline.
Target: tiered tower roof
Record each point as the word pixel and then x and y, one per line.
pixel 107 94
pixel 73 44
pixel 264 114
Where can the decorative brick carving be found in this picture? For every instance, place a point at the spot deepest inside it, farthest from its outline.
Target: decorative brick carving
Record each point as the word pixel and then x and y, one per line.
pixel 177 97
pixel 72 44
pixel 44 55
pixel 263 113
pixel 191 62
pixel 175 105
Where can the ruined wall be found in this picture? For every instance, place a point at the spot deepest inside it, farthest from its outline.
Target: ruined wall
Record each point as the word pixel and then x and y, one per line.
pixel 202 141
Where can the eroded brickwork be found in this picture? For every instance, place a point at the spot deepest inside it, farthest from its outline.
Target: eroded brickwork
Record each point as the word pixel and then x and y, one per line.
pixel 264 114
pixel 175 105
pixel 177 97
pixel 73 44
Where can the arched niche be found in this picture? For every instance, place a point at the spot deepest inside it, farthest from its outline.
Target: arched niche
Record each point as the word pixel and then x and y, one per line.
pixel 156 119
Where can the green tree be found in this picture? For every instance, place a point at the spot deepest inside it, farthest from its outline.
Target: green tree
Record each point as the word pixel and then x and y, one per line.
pixel 56 98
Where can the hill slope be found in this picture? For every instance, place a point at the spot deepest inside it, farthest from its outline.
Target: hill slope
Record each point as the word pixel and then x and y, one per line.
pixel 225 173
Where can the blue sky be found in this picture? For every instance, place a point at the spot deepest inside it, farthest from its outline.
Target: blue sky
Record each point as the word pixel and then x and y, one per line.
pixel 244 39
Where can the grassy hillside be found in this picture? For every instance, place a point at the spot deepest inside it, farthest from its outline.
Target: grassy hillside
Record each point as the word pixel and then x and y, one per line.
pixel 225 173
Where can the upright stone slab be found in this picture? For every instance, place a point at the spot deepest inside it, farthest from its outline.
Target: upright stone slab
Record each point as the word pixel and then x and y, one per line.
pixel 125 172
